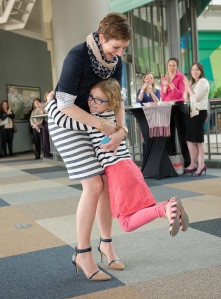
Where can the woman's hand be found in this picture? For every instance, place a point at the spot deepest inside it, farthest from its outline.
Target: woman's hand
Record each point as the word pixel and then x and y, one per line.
pixel 150 88
pixel 164 81
pixel 50 96
pixel 109 128
pixel 113 145
pixel 187 83
pixel 145 85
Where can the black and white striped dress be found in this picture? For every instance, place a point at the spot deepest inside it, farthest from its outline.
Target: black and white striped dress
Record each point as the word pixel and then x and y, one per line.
pixel 76 150
pixel 79 148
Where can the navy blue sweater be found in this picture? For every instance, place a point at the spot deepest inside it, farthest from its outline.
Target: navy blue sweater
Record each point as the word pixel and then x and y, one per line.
pixel 77 77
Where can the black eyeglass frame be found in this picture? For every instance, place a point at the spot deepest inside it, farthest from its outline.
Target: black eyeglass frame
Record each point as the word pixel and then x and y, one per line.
pixel 97 101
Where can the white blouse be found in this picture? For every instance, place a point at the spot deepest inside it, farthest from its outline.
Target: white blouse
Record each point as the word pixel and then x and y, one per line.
pixel 201 94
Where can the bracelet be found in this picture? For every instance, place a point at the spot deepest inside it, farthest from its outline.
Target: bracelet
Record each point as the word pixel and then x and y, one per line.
pixel 141 90
pixel 123 128
pixel 102 124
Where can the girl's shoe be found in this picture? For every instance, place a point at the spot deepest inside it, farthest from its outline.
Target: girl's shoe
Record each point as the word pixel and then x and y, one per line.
pixel 183 217
pixel 201 171
pixel 98 275
pixel 172 213
pixel 115 264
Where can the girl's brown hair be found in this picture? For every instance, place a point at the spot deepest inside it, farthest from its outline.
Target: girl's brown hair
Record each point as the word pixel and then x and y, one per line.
pixel 112 90
pixel 115 26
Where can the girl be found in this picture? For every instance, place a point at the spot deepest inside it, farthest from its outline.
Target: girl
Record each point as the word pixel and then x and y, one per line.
pixel 132 202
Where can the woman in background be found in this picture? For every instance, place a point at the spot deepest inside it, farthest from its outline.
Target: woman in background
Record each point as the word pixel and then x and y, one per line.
pixel 7 132
pixel 172 90
pixel 148 92
pixel 36 124
pixel 45 132
pixel 197 92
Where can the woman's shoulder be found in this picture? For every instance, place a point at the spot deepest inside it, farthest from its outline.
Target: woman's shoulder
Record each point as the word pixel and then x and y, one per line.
pixel 78 50
pixel 180 75
pixel 203 81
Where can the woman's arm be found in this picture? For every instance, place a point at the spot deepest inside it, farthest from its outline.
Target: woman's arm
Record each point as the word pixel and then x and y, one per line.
pixel 201 88
pixel 178 87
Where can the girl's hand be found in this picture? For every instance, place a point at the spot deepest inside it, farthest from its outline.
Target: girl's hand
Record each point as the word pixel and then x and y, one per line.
pixel 113 145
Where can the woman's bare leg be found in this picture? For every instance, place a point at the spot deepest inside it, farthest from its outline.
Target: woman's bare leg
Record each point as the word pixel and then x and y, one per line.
pixel 104 219
pixel 86 211
pixel 193 154
pixel 201 162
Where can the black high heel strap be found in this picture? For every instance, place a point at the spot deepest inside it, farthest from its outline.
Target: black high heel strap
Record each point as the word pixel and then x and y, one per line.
pixel 83 250
pixel 105 240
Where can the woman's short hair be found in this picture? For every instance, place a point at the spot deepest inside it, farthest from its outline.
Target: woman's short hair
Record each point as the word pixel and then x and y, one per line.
pixel 115 26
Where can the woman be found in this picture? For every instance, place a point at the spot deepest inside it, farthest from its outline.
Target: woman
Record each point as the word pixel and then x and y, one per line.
pixel 148 92
pixel 45 132
pixel 7 132
pixel 86 64
pixel 172 90
pixel 36 124
pixel 197 90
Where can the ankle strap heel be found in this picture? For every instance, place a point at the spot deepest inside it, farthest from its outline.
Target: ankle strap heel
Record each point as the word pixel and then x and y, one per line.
pixel 98 275
pixel 114 264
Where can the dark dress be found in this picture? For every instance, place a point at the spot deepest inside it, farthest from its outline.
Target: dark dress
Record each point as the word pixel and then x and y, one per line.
pixel 195 127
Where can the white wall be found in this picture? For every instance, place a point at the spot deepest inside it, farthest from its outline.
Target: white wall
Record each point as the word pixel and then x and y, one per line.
pixel 72 21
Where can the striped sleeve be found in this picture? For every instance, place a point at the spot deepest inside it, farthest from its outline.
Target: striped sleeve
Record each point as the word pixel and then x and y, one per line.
pixel 62 120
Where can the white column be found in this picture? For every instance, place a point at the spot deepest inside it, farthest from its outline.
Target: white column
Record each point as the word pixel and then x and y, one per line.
pixel 72 21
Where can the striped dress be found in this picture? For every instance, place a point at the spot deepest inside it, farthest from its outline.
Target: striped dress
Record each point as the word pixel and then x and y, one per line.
pixel 65 123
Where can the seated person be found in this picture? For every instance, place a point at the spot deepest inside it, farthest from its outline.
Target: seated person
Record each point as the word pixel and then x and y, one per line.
pixel 148 92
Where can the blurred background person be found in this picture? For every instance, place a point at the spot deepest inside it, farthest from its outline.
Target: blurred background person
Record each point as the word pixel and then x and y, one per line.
pixel 36 124
pixel 172 90
pixel 45 132
pixel 148 92
pixel 7 131
pixel 197 92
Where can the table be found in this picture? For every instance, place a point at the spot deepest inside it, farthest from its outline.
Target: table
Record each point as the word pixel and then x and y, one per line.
pixel 156 162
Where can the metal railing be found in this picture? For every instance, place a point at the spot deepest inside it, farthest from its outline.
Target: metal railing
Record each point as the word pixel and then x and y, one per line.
pixel 212 144
pixel 212 137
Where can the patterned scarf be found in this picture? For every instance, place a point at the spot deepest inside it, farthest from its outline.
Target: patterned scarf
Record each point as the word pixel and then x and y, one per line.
pixel 100 65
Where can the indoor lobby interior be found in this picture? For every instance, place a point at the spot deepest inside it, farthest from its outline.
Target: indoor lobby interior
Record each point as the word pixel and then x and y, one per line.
pixel 38 206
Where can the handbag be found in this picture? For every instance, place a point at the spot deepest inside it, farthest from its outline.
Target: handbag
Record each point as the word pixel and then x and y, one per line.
pixel 194 110
pixel 177 162
pixel 15 129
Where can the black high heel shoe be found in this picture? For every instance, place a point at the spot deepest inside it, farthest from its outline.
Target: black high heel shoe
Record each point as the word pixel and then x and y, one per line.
pixel 201 171
pixel 115 264
pixel 98 275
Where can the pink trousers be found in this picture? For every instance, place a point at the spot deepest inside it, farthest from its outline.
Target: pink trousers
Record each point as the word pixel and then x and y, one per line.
pixel 141 217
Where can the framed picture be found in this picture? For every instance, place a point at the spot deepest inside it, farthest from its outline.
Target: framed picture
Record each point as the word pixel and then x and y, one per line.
pixel 20 99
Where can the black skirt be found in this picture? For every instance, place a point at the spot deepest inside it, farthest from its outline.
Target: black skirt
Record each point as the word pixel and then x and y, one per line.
pixel 195 127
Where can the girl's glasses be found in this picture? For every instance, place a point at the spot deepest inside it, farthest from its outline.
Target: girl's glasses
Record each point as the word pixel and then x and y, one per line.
pixel 96 100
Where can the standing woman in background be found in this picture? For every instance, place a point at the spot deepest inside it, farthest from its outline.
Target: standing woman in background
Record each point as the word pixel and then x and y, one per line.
pixel 7 132
pixel 197 91
pixel 36 124
pixel 148 92
pixel 172 90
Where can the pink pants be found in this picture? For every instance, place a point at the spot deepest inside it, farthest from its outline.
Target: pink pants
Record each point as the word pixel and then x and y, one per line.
pixel 141 217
